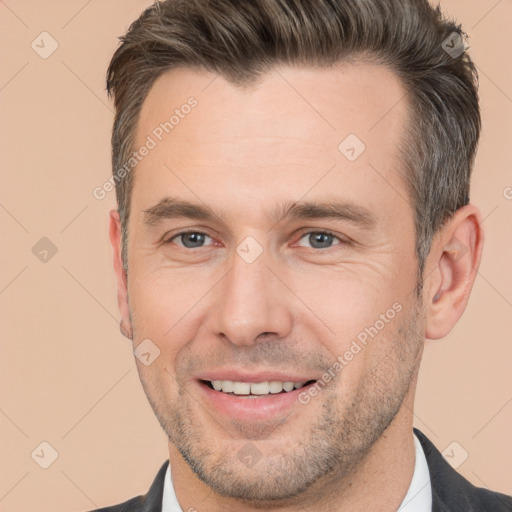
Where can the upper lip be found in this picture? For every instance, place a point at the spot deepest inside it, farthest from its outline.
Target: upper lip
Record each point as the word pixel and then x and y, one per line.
pixel 261 376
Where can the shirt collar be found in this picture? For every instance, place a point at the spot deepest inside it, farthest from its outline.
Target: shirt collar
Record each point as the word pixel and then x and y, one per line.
pixel 419 495
pixel 169 500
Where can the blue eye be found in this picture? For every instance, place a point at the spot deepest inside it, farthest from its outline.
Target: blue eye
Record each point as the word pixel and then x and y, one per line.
pixel 197 239
pixel 191 239
pixel 320 239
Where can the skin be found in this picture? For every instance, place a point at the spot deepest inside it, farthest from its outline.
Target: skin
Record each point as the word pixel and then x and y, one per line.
pixel 298 306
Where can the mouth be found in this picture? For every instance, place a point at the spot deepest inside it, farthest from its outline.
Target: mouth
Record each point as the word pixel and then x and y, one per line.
pixel 266 396
pixel 254 389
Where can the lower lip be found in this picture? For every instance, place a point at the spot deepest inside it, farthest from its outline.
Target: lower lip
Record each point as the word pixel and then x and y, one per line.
pixel 251 407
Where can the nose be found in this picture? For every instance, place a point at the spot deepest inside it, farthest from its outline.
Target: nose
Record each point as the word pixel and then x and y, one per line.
pixel 250 303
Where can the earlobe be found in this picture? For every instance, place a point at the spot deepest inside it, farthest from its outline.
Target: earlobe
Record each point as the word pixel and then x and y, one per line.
pixel 455 258
pixel 121 277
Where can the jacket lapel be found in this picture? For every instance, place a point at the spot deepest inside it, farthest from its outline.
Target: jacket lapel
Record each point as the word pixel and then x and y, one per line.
pixel 152 501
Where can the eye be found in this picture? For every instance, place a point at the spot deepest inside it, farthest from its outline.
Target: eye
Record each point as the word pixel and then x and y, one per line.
pixel 190 239
pixel 197 239
pixel 319 239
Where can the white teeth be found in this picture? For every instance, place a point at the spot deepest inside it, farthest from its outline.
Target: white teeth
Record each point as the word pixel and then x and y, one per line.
pixel 288 386
pixel 228 386
pixel 260 388
pixel 254 388
pixel 275 386
pixel 242 388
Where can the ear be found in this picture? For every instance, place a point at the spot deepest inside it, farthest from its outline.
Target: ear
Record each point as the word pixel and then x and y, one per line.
pixel 121 277
pixel 451 270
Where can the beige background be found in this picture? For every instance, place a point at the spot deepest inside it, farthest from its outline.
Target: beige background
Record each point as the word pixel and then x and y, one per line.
pixel 68 376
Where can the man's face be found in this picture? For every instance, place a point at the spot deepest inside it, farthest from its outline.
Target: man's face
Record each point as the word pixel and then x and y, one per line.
pixel 263 292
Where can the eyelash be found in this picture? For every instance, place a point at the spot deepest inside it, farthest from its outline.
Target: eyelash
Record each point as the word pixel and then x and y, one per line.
pixel 302 235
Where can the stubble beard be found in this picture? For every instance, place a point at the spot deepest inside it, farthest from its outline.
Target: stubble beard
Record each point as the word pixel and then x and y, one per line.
pixel 335 445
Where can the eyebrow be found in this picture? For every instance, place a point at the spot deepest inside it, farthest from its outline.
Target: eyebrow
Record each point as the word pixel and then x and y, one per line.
pixel 171 208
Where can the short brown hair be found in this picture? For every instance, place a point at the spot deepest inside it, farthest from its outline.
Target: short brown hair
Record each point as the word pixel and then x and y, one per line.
pixel 243 39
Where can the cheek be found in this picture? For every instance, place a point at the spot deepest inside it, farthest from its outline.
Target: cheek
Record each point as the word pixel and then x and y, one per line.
pixel 160 301
pixel 158 313
pixel 350 300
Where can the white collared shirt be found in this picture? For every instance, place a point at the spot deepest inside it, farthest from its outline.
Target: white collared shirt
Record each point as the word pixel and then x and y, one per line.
pixel 417 499
pixel 419 495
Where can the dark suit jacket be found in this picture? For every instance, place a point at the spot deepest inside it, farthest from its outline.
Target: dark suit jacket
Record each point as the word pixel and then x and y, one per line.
pixel 450 491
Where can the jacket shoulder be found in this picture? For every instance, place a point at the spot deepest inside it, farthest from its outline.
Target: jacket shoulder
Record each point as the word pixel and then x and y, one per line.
pixel 451 492
pixel 150 502
pixel 132 505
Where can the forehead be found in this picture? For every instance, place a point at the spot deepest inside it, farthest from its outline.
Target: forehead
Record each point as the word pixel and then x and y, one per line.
pixel 346 98
pixel 279 136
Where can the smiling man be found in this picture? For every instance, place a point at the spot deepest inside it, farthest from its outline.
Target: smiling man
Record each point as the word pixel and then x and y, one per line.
pixel 293 223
